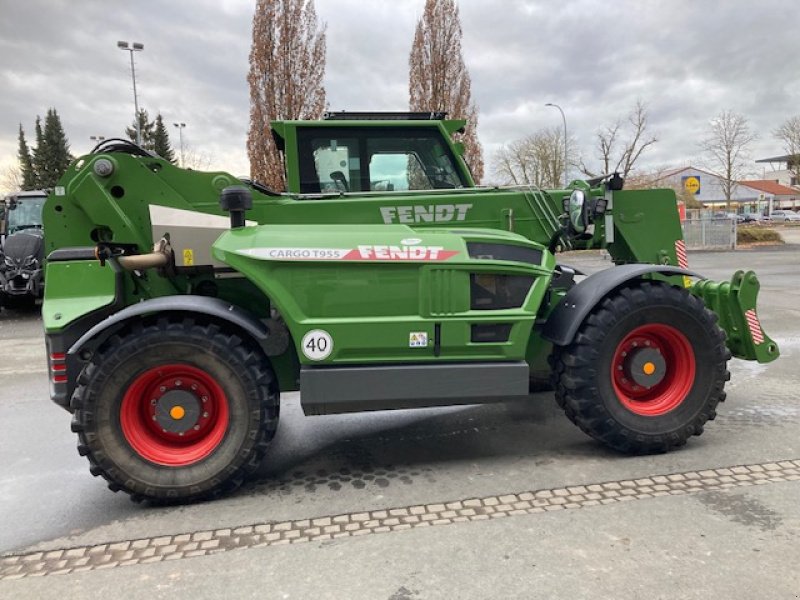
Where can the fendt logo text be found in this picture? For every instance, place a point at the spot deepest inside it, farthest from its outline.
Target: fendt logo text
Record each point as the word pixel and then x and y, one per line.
pixel 431 213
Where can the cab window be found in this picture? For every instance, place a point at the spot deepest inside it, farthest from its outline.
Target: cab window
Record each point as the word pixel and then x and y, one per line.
pixel 369 159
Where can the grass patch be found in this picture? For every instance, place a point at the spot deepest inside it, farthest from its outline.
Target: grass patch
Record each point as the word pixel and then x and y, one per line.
pixel 757 235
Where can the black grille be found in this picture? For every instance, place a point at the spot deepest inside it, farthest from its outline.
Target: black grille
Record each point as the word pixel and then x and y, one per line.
pixel 489 291
pixel 496 332
pixel 488 251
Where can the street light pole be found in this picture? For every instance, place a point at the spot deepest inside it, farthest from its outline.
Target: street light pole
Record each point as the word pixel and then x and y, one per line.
pixel 180 127
pixel 134 47
pixel 96 139
pixel 566 181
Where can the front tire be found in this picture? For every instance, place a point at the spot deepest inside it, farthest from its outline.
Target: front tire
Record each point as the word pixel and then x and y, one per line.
pixel 175 411
pixel 645 371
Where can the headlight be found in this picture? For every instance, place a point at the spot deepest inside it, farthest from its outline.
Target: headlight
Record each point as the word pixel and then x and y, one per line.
pixel 30 263
pixel 8 261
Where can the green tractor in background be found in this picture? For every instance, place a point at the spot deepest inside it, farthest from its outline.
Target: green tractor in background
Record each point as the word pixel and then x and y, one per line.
pixel 180 304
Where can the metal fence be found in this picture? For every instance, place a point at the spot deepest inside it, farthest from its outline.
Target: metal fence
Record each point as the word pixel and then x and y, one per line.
pixel 710 234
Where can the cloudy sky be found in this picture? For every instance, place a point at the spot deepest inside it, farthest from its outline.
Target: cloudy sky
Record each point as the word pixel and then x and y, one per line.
pixel 687 60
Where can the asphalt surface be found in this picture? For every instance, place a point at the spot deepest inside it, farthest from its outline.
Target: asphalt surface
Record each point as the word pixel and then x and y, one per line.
pixel 733 542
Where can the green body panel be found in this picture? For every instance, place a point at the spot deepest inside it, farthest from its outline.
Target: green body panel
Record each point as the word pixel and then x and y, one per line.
pixel 646 227
pixel 363 287
pixel 74 289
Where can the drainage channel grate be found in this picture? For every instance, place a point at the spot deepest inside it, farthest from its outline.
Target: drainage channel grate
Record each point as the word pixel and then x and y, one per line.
pixel 200 543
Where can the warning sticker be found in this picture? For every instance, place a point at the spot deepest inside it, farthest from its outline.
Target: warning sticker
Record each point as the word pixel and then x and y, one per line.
pixel 188 257
pixel 418 339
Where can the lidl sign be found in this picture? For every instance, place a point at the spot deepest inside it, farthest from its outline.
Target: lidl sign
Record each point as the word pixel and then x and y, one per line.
pixel 691 183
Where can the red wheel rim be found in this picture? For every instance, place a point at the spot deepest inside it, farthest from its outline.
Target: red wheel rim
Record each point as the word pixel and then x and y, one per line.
pixel 174 415
pixel 661 352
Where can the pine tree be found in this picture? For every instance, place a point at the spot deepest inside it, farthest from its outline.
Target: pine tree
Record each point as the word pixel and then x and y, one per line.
pixel 25 162
pixel 38 155
pixel 54 153
pixel 147 127
pixel 438 77
pixel 161 143
pixel 287 64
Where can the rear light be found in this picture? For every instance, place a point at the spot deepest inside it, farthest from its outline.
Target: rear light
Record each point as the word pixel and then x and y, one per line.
pixel 58 367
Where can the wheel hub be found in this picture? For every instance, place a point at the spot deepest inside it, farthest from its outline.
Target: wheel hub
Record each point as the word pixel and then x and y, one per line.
pixel 177 411
pixel 645 366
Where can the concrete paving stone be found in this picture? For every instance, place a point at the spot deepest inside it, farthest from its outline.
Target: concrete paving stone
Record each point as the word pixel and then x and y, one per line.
pixel 321 522
pixel 468 512
pixel 208 545
pixel 119 546
pixel 342 534
pixel 628 483
pixel 263 528
pixel 435 508
pixel 341 519
pixel 171 548
pixel 509 499
pixel 560 492
pixel 137 544
pixel 285 526
pixel 740 470
pixel 151 559
pixel 793 477
pixel 420 510
pixel 676 477
pixel 10 560
pixel 577 489
pixel 332 529
pixel 371 523
pixel 59 572
pixel 398 512
pixel 593 496
pixel 491 501
pixel 591 502
pixel 129 562
pixel 723 471
pixel 270 537
pixel 173 556
pixel 301 524
pixel 401 527
pixel 576 498
pixel 360 517
pixel 110 565
pixel 786 464
pixel 454 506
pixel 742 477
pixel 771 467
pixel 479 518
pixel 183 537
pixel 379 514
pixel 21 575
pixel 352 527
pixel 557 501
pixel 527 496
pixel 75 552
pixel 35 557
pixel 706 473
pixel 608 500
pixel 237 531
pixel 361 532
pixel 595 487
pixel 53 554
pixel 222 533
pixel 147 552
pixel 692 475
pixel 382 529
pixel 202 536
pixel 554 507
pixel 127 555
pixel 544 494
pixel 572 505
pixel 162 541
pixel 612 486
pixel 192 553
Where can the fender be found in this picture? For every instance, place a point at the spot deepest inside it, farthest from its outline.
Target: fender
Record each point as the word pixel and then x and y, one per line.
pixel 567 317
pixel 203 305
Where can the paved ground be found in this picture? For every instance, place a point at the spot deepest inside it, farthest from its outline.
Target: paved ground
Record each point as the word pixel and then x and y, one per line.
pixel 474 502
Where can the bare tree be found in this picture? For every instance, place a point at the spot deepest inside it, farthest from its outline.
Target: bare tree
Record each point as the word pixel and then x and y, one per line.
pixel 537 159
pixel 616 154
pixel 10 180
pixel 438 77
pixel 287 64
pixel 659 177
pixel 726 146
pixel 789 133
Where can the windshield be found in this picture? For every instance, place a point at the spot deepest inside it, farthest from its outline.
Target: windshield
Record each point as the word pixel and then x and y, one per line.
pixel 25 213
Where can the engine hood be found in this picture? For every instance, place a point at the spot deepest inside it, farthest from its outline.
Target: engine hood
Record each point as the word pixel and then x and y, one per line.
pixel 24 244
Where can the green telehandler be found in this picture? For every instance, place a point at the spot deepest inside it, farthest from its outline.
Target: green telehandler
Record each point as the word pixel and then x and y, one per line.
pixel 180 304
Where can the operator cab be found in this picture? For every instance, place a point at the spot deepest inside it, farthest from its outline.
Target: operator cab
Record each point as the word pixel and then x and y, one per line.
pixel 378 152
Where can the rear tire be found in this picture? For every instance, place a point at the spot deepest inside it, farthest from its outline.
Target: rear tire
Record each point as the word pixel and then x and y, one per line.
pixel 645 371
pixel 175 411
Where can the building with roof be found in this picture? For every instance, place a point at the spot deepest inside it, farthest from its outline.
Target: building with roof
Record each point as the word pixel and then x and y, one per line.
pixel 784 169
pixel 707 188
pixel 771 193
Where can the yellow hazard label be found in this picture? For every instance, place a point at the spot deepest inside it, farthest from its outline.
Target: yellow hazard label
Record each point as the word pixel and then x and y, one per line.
pixel 687 281
pixel 188 257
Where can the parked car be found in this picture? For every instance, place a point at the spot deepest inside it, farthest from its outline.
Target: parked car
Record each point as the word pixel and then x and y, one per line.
pixel 729 215
pixel 785 215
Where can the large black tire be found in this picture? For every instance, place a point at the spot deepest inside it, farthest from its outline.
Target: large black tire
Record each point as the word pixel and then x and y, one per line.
pixel 648 334
pixel 175 411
